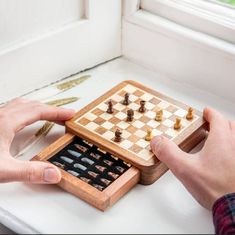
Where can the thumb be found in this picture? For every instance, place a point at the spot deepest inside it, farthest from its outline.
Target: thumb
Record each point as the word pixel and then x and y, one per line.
pixel 31 172
pixel 170 154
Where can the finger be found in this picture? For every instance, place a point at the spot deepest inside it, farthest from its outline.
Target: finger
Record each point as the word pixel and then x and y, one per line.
pixel 38 111
pixel 51 113
pixel 170 154
pixel 30 172
pixel 218 123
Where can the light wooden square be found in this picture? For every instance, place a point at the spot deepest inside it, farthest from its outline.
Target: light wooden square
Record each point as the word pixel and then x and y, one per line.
pixel 121 115
pixel 150 114
pixel 133 106
pixel 168 123
pixel 142 143
pixel 119 106
pixel 107 125
pixel 140 133
pixel 149 106
pixel 138 124
pixel 108 135
pixel 126 134
pixel 145 154
pixel 163 104
pixel 172 132
pixel 146 97
pixel 126 144
pixel 133 98
pixel 166 114
pixel 117 98
pixel 103 107
pixel 92 126
pixel 130 89
pixel 123 125
pixel 153 123
pixel 106 116
pixel 181 113
pixel 90 116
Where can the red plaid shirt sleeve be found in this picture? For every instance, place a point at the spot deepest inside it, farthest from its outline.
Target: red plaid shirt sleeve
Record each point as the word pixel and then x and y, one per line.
pixel 224 214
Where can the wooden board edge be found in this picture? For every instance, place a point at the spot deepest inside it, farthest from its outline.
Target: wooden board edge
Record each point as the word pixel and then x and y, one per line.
pixel 84 191
pixel 122 185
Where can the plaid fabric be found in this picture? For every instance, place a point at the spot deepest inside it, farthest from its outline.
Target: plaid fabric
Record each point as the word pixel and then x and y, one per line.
pixel 224 214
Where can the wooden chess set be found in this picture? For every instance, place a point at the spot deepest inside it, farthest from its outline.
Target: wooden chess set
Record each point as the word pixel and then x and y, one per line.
pixel 106 148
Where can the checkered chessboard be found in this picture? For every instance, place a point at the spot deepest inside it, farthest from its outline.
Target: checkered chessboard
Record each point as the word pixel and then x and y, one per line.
pixel 133 133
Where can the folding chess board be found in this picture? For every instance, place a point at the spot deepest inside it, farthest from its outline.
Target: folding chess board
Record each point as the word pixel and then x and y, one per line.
pixel 95 126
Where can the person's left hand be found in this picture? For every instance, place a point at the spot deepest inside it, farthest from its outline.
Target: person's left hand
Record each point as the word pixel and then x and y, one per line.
pixel 14 116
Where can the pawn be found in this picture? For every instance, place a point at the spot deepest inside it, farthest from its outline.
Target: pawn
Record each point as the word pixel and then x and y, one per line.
pixel 142 108
pixel 118 135
pixel 110 107
pixel 189 116
pixel 149 136
pixel 177 125
pixel 126 100
pixel 130 115
pixel 159 115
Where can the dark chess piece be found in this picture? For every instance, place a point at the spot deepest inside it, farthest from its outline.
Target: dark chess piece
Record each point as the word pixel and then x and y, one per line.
pixel 118 135
pixel 110 107
pixel 142 108
pixel 130 115
pixel 126 100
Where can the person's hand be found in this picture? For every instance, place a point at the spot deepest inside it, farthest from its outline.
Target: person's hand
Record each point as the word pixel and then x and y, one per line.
pixel 210 173
pixel 14 116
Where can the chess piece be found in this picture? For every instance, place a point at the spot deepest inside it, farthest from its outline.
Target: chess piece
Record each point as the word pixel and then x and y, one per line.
pixel 118 135
pixel 149 136
pixel 126 100
pixel 142 108
pixel 110 107
pixel 130 115
pixel 177 125
pixel 189 116
pixel 159 115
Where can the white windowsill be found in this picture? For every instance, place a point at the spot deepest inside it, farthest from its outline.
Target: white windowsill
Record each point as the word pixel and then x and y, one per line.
pixel 164 207
pixel 161 25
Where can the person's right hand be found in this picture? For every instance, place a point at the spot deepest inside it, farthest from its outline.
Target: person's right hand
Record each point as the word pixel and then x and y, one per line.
pixel 210 173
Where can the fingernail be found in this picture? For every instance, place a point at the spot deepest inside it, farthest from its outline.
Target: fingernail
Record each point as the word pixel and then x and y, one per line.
pixel 51 175
pixel 155 143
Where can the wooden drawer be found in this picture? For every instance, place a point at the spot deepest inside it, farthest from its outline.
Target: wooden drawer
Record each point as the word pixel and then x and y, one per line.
pixel 101 199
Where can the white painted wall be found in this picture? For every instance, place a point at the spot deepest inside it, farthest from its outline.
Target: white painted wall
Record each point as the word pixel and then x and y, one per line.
pixel 20 20
pixel 53 47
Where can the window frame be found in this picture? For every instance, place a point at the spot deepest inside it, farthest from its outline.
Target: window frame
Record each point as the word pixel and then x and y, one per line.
pixel 207 17
pixel 175 51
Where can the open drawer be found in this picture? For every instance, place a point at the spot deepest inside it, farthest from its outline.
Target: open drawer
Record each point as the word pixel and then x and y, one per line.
pixel 89 172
